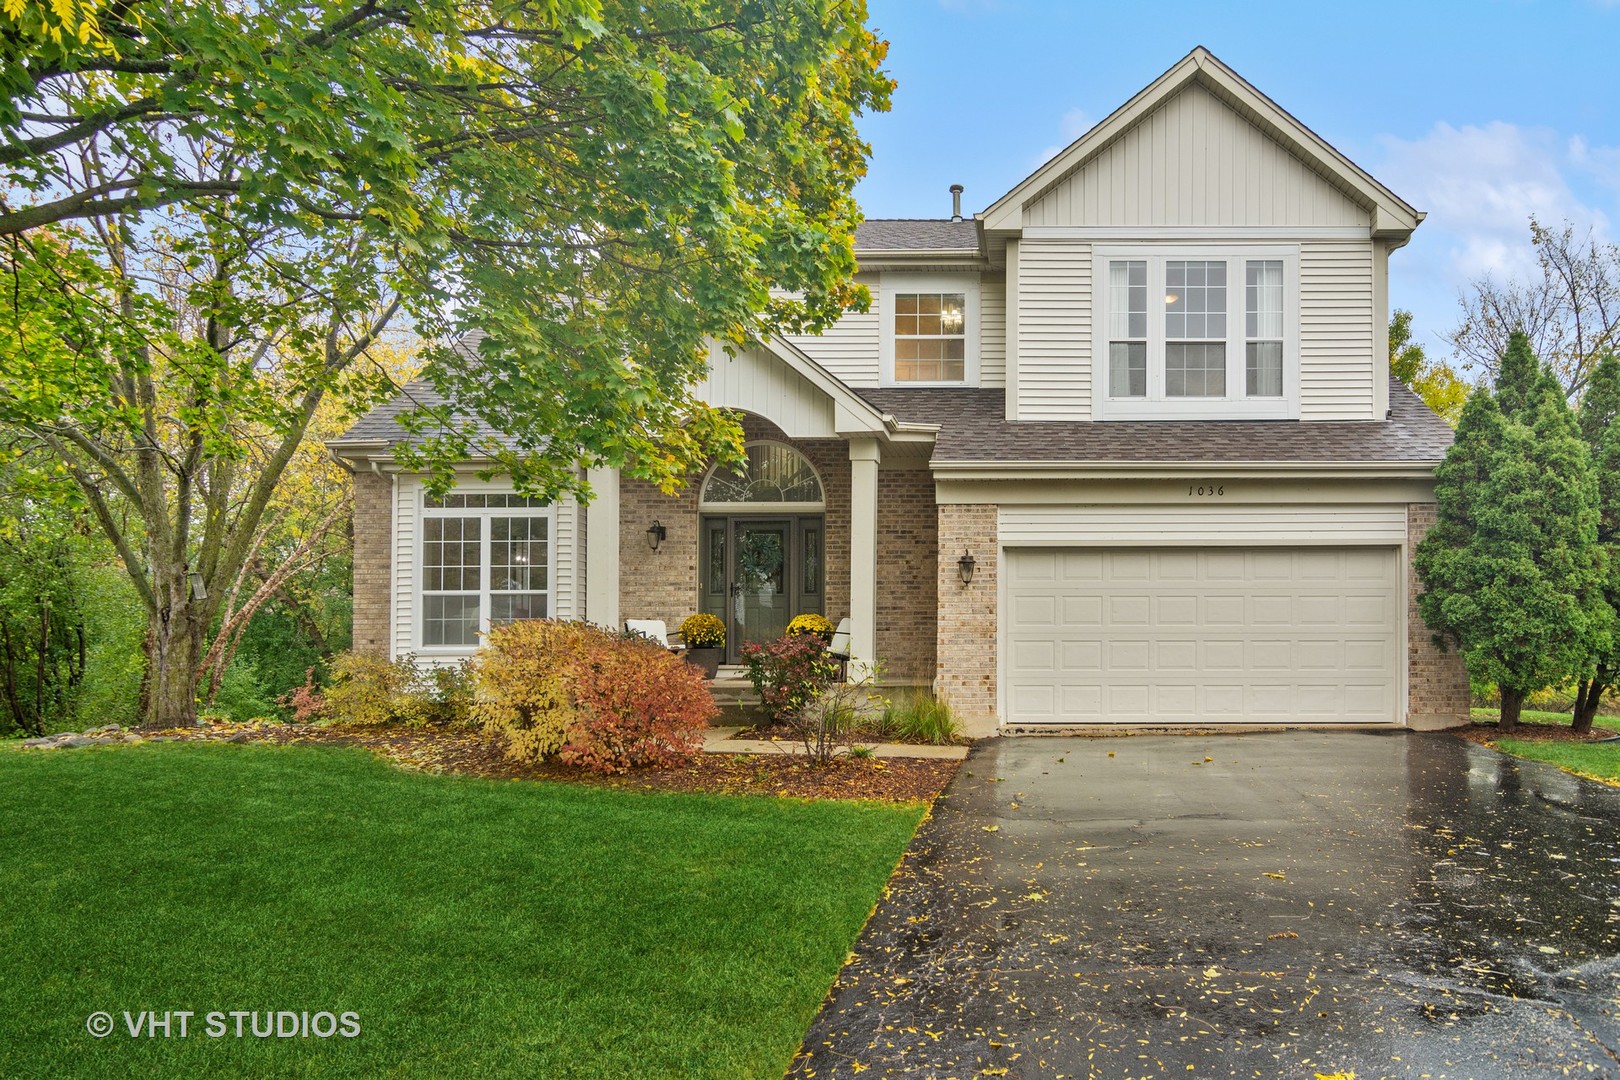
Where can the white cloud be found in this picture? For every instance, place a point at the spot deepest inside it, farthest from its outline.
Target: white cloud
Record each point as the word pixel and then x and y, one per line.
pixel 1482 184
pixel 1075 123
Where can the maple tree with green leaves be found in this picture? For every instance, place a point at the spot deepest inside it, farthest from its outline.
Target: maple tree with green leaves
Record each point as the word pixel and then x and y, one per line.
pixel 213 213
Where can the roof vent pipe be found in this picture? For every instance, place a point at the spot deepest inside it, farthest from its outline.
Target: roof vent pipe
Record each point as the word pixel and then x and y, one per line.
pixel 956 202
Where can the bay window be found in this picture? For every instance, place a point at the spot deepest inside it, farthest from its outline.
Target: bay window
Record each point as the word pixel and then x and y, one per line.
pixel 486 560
pixel 1196 333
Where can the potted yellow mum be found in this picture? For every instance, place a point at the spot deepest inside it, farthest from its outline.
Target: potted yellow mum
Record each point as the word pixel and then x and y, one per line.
pixel 705 638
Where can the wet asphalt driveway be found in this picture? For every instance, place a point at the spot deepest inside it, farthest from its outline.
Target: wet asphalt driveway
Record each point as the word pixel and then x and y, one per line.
pixel 1275 905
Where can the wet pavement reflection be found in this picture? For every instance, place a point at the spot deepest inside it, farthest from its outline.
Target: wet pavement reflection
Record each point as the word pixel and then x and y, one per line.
pixel 1265 905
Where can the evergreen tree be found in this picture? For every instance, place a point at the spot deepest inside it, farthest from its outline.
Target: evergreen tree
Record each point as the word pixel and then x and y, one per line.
pixel 1518 379
pixel 1600 409
pixel 1512 571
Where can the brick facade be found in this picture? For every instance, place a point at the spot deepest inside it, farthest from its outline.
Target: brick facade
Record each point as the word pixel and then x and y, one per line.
pixel 966 650
pixel 373 562
pixel 1436 679
pixel 664 584
pixel 907 568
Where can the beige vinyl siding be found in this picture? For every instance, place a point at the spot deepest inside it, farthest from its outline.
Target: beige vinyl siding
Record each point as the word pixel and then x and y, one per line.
pixel 407 493
pixel 992 332
pixel 565 589
pixel 1338 357
pixel 1182 526
pixel 1054 330
pixel 1194 161
pixel 850 347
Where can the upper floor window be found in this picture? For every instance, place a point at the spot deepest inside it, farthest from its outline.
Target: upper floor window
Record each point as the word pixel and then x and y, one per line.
pixel 930 329
pixel 930 337
pixel 1197 334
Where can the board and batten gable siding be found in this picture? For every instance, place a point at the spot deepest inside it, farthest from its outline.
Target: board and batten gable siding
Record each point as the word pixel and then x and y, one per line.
pixel 1339 374
pixel 1194 161
pixel 756 382
pixel 1054 330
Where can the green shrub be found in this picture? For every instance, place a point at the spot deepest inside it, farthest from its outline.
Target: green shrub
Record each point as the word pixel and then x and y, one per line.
pixel 370 690
pixel 603 701
pixel 242 695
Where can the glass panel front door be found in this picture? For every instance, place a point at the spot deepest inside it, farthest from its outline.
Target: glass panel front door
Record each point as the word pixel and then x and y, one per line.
pixel 756 573
pixel 760 598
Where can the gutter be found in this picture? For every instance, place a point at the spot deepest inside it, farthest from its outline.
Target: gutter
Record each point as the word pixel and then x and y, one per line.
pixel 1097 470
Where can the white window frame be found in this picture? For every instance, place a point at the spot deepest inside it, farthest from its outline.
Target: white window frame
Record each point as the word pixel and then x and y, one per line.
pixel 1236 405
pixel 972 330
pixel 485 542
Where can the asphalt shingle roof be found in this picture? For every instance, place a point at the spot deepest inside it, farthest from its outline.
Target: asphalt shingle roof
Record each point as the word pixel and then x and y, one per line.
pixel 917 234
pixel 974 428
pixel 381 424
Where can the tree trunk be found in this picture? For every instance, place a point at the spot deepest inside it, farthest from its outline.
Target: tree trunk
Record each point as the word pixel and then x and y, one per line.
pixel 174 640
pixel 1512 703
pixel 1586 704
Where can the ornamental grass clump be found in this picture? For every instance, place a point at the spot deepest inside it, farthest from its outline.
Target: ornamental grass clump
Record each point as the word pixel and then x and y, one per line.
pixel 602 701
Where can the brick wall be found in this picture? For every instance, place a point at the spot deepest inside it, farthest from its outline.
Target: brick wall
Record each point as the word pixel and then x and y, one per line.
pixel 664 584
pixel 1437 680
pixel 373 562
pixel 907 568
pixel 966 650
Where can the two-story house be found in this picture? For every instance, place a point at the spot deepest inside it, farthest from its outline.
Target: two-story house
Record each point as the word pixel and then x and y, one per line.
pixel 1120 449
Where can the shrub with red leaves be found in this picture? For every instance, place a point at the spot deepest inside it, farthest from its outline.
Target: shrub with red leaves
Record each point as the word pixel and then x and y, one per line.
pixel 788 673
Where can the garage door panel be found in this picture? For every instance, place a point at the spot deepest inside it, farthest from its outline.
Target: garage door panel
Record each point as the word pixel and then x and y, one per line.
pixel 1203 636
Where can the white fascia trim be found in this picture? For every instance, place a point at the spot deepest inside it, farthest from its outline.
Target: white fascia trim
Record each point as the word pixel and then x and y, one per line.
pixel 1178 470
pixel 1266 234
pixel 828 383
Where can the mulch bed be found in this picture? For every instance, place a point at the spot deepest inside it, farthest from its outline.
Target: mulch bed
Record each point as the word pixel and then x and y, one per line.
pixel 1487 734
pixel 471 753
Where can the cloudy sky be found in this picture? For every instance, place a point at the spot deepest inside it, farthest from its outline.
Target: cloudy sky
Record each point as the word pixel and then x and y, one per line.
pixel 1480 113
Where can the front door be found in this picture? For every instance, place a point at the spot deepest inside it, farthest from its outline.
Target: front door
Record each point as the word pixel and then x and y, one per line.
pixel 758 573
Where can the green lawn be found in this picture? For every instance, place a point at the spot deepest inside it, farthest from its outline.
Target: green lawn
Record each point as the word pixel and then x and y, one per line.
pixel 1599 761
pixel 478 928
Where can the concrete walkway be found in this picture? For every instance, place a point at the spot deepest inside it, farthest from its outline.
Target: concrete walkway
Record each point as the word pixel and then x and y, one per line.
pixel 720 740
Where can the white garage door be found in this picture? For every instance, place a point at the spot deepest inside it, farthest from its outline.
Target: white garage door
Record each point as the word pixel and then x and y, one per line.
pixel 1202 636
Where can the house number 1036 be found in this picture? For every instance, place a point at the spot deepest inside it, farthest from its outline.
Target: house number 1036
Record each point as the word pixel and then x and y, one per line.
pixel 1206 489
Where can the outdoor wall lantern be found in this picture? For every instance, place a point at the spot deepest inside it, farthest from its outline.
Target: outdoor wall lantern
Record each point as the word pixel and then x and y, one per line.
pixel 964 566
pixel 655 535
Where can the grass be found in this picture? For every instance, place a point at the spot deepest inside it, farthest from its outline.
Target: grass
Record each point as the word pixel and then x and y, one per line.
pixel 1596 761
pixel 478 928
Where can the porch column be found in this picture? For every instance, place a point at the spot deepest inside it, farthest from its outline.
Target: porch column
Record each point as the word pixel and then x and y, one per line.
pixel 602 549
pixel 864 455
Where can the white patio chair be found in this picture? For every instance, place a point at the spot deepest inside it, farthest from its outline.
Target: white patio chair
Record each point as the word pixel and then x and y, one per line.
pixel 654 630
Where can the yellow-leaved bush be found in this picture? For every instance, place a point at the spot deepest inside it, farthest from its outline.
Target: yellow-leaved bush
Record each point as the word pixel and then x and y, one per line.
pixel 604 701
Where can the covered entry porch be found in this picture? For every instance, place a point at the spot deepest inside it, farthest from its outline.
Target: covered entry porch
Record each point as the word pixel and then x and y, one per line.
pixel 834 515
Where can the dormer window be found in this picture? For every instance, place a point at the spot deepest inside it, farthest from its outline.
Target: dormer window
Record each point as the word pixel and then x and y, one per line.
pixel 1197 334
pixel 930 329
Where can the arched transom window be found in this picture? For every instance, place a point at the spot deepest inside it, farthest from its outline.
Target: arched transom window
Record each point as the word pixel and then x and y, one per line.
pixel 775 476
